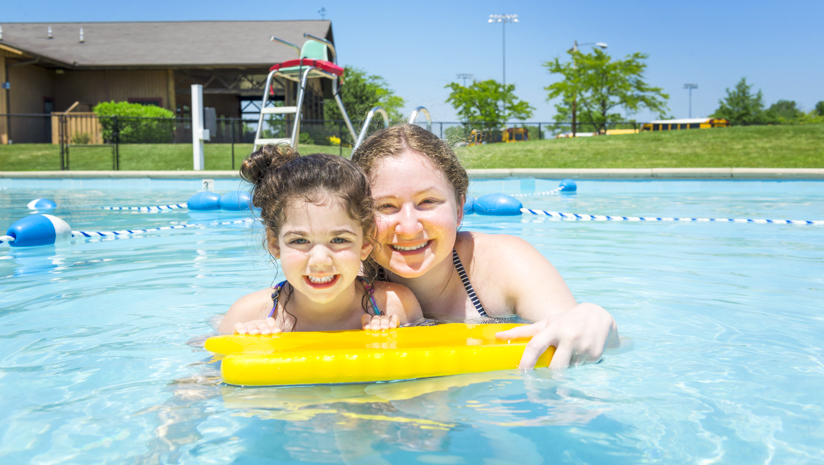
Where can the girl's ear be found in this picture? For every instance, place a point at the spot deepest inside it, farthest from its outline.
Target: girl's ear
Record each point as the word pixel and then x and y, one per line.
pixel 366 248
pixel 272 245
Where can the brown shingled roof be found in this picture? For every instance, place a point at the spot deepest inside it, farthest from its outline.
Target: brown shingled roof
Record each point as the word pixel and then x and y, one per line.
pixel 163 44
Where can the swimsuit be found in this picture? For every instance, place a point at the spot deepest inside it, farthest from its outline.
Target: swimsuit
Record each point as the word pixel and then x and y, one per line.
pixel 467 285
pixel 369 290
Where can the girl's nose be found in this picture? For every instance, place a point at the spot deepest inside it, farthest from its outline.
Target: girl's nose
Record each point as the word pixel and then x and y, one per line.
pixel 320 256
pixel 408 222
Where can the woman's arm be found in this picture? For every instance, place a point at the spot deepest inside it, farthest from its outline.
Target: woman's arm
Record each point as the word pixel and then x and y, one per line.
pixel 537 292
pixel 248 315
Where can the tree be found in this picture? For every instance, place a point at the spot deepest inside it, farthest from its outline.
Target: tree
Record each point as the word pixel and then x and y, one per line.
pixel 819 108
pixel 361 92
pixel 740 105
pixel 784 111
pixel 487 103
pixel 599 86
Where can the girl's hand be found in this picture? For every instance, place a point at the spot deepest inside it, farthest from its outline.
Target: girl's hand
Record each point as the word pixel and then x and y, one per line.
pixel 267 326
pixel 380 323
pixel 579 335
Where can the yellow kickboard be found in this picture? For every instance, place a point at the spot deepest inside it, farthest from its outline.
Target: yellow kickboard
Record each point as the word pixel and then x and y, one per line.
pixel 330 357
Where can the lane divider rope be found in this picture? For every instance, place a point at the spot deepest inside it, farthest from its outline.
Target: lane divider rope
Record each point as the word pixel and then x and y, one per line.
pixel 580 217
pixel 127 232
pixel 158 208
pixel 555 191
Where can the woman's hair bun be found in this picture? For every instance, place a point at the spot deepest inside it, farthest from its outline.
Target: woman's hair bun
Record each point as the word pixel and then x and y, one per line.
pixel 267 158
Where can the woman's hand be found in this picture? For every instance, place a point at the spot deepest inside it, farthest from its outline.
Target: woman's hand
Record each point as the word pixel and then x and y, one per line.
pixel 379 322
pixel 579 335
pixel 267 326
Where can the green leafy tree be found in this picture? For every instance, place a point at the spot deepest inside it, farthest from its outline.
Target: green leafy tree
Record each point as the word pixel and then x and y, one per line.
pixel 360 93
pixel 136 123
pixel 784 111
pixel 741 106
pixel 598 86
pixel 487 104
pixel 819 108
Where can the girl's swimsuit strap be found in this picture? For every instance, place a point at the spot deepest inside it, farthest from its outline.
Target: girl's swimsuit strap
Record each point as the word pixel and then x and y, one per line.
pixel 369 290
pixel 467 285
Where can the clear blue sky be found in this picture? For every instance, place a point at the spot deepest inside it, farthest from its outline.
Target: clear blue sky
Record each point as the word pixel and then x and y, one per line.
pixel 420 46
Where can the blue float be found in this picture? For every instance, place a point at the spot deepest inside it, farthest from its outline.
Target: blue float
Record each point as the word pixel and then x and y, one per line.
pixel 38 230
pixel 469 206
pixel 205 200
pixel 497 204
pixel 236 201
pixel 568 185
pixel 41 204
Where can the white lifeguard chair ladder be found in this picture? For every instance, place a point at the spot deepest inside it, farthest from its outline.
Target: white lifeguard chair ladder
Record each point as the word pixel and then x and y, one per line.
pixel 313 61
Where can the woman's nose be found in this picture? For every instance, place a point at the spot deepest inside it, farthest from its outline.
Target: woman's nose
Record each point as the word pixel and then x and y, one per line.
pixel 408 222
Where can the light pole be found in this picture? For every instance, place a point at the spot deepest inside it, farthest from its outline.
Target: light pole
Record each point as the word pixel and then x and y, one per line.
pixel 574 66
pixel 465 76
pixel 690 87
pixel 503 19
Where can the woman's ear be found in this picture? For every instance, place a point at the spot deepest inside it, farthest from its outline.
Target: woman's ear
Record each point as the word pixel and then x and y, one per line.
pixel 461 210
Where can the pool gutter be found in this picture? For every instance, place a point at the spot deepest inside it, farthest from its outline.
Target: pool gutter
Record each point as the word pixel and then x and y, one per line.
pixel 540 173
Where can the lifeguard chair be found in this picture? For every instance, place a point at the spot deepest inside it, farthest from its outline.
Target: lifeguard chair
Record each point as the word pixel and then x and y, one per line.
pixel 312 62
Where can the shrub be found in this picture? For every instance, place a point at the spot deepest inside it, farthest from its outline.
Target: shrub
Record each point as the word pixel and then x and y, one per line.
pixel 136 123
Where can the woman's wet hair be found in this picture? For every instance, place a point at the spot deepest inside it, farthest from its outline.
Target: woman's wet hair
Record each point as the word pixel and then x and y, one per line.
pixel 281 176
pixel 396 140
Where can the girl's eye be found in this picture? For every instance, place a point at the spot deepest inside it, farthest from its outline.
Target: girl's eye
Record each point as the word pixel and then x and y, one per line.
pixel 298 241
pixel 340 240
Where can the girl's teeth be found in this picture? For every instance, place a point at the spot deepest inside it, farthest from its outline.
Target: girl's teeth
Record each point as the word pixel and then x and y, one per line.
pixel 406 249
pixel 322 280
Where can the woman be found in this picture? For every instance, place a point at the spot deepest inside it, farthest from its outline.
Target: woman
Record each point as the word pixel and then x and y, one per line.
pixel 419 189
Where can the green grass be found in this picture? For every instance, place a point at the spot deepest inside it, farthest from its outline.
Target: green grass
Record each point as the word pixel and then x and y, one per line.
pixel 787 146
pixel 149 157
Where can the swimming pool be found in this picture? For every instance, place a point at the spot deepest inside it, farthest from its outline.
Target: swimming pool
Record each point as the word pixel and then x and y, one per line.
pixel 102 359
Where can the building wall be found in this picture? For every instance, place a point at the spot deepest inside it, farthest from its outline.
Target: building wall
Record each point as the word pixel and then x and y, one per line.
pixel 4 129
pixel 30 86
pixel 95 86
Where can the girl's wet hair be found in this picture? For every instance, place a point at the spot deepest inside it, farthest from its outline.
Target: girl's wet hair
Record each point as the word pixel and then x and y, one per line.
pixel 398 139
pixel 280 176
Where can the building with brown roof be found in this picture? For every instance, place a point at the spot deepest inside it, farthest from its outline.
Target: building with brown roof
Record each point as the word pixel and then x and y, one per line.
pixel 47 67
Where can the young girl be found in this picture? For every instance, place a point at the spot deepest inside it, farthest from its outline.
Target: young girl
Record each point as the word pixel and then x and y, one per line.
pixel 318 214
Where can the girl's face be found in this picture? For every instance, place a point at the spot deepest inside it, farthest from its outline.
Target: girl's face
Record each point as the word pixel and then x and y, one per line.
pixel 416 214
pixel 320 248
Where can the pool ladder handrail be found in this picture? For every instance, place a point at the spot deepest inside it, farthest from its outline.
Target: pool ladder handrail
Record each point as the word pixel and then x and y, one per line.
pixel 425 112
pixel 367 121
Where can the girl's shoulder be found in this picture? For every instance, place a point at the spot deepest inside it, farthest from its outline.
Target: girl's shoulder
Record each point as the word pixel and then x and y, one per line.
pixel 397 299
pixel 253 306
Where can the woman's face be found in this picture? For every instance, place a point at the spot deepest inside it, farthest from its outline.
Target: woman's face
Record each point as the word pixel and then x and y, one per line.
pixel 417 214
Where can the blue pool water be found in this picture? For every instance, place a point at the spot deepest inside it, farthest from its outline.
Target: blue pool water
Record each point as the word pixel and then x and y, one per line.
pixel 101 355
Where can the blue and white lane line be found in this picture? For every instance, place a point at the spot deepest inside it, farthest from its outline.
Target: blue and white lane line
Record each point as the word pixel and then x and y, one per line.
pixel 153 209
pixel 555 191
pixel 579 217
pixel 131 232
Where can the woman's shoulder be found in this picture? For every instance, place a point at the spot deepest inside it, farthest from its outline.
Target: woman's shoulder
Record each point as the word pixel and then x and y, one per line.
pixel 477 245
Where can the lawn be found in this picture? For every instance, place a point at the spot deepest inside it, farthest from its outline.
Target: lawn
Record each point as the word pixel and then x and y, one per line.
pixel 787 146
pixel 151 157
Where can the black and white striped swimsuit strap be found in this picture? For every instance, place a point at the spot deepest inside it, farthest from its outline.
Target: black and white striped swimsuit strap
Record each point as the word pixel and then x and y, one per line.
pixel 467 285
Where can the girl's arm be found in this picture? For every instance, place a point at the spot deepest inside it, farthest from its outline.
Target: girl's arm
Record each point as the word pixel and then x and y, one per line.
pixel 249 315
pixel 399 307
pixel 537 292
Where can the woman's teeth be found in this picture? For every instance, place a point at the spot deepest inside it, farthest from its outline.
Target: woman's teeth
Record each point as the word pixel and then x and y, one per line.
pixel 325 279
pixel 407 249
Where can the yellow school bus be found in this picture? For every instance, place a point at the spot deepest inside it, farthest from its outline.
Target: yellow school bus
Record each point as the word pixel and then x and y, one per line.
pixel 686 123
pixel 477 137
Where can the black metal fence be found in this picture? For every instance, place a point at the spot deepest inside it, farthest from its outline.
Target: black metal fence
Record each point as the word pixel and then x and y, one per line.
pixel 80 134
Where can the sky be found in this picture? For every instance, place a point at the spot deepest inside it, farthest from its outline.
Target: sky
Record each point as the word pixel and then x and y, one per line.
pixel 419 47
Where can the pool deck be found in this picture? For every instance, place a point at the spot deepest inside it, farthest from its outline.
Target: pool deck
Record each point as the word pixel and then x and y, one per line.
pixel 545 173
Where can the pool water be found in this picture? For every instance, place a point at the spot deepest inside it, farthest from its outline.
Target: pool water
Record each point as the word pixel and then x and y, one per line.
pixel 101 355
